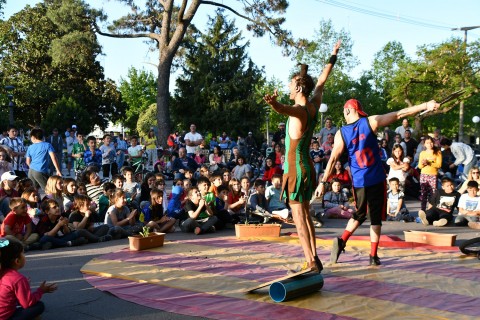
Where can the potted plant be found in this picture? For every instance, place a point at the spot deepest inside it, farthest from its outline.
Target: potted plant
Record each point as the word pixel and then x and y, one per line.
pixel 247 229
pixel 146 240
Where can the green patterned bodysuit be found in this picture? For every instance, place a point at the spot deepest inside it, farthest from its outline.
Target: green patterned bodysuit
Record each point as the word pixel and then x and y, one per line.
pixel 299 172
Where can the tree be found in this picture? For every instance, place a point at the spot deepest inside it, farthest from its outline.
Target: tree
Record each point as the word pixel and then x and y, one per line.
pixel 146 120
pixel 2 3
pixel 48 52
pixel 66 111
pixel 166 24
pixel 438 71
pixel 138 91
pixel 217 88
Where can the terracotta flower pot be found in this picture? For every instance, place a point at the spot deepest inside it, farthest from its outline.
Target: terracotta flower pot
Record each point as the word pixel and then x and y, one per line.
pixel 257 230
pixel 155 239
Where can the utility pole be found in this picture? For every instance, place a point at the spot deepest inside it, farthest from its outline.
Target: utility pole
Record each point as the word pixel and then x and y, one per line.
pixel 462 108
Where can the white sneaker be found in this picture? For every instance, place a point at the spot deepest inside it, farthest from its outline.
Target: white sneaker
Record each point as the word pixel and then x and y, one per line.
pixel 423 217
pixel 440 223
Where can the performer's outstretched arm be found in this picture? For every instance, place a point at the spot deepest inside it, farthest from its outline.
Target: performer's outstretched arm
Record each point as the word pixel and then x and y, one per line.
pixel 318 92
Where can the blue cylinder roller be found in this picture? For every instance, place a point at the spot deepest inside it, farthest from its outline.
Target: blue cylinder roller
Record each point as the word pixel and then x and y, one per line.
pixel 295 287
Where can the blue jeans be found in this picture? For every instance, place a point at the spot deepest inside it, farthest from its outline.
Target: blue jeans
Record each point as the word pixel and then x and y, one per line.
pixel 318 169
pixel 120 159
pixel 59 241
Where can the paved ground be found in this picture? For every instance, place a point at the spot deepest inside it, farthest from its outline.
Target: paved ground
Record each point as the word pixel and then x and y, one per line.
pixel 76 299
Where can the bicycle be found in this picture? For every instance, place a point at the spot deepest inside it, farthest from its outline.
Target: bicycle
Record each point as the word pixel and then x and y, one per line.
pixel 471 246
pixel 140 168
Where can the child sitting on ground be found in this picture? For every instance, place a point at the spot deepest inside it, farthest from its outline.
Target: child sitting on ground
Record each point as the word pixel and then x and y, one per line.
pixel 396 209
pixel 336 203
pixel 469 206
pixel 258 204
pixel 82 220
pixel 441 205
pixel 153 214
pixel 132 189
pixel 121 221
pixel 104 200
pixel 8 190
pixel 15 287
pixel 18 224
pixel 201 218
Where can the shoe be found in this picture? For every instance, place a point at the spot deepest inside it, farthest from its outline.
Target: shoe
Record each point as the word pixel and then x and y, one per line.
pixel 440 223
pixel 212 229
pixel 317 224
pixel 47 246
pixel 423 217
pixel 105 238
pixel 318 264
pixel 474 225
pixel 266 220
pixel 375 261
pixel 197 231
pixel 77 242
pixel 337 247
pixel 35 246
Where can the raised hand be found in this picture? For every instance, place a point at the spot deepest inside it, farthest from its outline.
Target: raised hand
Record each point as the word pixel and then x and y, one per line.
pixel 48 287
pixel 271 99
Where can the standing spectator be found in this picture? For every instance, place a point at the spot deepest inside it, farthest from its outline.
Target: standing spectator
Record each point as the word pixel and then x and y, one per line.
pixel 399 166
pixel 437 137
pixel 232 162
pixel 430 161
pixel 277 136
pixel 78 152
pixel 172 141
pixel 108 157
pixel 389 135
pixel 135 152
pixel 5 166
pixel 250 142
pixel 16 151
pixel 398 140
pixel 328 129
pixel 57 143
pixel 69 141
pixel 193 140
pixel 327 146
pixel 122 147
pixel 151 148
pixel 93 155
pixel 401 129
pixel 75 132
pixel 318 156
pixel 463 154
pixel 37 159
pixel 411 144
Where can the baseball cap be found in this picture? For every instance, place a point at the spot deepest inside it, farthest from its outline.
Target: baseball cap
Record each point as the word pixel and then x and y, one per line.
pixel 74 126
pixel 9 175
pixel 355 104
pixel 250 132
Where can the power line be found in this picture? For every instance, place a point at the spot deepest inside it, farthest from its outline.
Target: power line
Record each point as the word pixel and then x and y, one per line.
pixel 388 16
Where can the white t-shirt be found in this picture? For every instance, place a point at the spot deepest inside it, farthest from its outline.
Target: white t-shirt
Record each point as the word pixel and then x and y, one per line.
pixel 135 151
pixel 468 203
pixel 192 137
pixel 400 174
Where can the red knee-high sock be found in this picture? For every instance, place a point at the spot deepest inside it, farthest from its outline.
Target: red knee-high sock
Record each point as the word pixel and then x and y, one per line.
pixel 346 234
pixel 373 248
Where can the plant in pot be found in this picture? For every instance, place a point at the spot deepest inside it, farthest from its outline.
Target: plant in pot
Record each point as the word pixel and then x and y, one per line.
pixel 146 240
pixel 247 229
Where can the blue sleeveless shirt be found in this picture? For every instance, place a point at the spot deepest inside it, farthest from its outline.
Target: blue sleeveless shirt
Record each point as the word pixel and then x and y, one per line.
pixel 363 154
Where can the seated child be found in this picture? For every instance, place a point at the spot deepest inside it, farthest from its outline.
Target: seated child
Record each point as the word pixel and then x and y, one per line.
pixel 174 207
pixel 17 301
pixel 53 228
pixel 83 221
pixel 153 215
pixel 336 202
pixel 275 204
pixel 201 218
pixel 104 200
pixel 121 221
pixel 8 184
pixel 18 224
pixel 30 195
pixel 132 189
pixel 468 206
pixel 396 209
pixel 215 182
pixel 441 205
pixel 118 180
pixel 258 204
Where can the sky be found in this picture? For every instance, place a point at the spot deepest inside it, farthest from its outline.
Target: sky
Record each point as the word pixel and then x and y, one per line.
pixel 428 22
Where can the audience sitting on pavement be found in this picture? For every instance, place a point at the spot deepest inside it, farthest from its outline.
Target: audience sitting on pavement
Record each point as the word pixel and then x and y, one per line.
pixel 469 206
pixel 473 175
pixel 396 208
pixel 441 205
pixel 335 202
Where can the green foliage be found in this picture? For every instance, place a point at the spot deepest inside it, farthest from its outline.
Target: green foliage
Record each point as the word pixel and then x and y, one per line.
pixel 147 120
pixel 49 51
pixel 145 232
pixel 217 88
pixel 139 91
pixel 66 112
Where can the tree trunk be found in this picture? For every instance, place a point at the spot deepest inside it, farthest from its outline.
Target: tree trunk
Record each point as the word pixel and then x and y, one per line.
pixel 163 96
pixel 418 128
